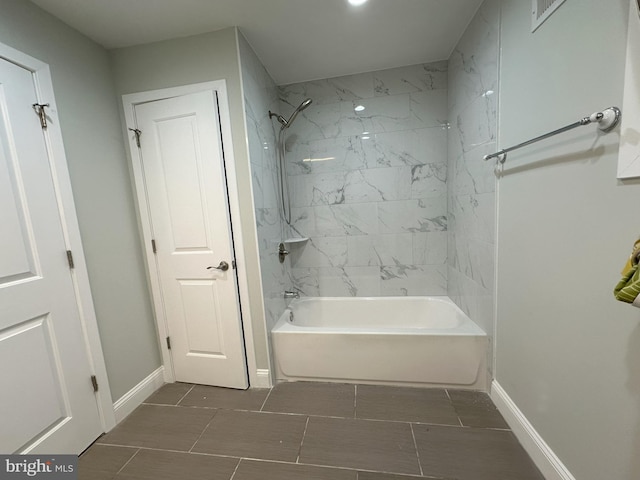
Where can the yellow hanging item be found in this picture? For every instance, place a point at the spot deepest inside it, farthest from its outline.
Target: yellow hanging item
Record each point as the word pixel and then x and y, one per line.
pixel 634 255
pixel 628 288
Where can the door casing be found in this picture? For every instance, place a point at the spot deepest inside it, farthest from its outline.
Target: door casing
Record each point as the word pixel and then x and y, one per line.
pixel 129 102
pixel 62 185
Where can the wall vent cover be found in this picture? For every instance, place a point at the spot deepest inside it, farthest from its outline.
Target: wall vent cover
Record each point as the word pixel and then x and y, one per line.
pixel 542 9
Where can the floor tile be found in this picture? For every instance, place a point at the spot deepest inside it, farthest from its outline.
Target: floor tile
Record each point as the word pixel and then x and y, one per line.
pixel 226 425
pixel 256 470
pixel 102 462
pixel 391 476
pixel 162 465
pixel 155 426
pixel 327 399
pixel 215 397
pixel 169 394
pixel 368 445
pixel 473 454
pixel 254 435
pixel 405 404
pixel 476 409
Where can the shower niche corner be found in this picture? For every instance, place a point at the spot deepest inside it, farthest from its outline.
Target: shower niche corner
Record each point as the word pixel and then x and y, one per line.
pixel 294 241
pixel 288 243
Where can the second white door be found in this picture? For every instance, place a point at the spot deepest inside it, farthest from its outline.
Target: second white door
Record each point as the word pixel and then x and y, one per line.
pixel 183 165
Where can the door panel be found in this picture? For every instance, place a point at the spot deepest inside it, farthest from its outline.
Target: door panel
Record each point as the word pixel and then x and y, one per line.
pixel 47 403
pixel 200 297
pixel 17 262
pixel 29 347
pixel 178 138
pixel 183 165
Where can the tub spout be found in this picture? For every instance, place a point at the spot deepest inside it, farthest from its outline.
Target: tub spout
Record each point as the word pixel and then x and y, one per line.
pixel 288 294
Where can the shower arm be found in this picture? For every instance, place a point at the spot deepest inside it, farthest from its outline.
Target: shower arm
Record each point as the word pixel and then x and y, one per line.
pixel 280 119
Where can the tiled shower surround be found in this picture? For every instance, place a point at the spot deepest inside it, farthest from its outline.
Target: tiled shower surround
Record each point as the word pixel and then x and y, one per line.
pixel 260 96
pixel 393 202
pixel 368 185
pixel 473 94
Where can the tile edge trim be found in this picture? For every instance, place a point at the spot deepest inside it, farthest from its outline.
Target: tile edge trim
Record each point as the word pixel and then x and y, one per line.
pixel 262 379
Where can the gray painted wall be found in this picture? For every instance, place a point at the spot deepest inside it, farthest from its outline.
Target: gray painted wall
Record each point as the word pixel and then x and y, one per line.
pixel 568 354
pixel 196 59
pixel 92 134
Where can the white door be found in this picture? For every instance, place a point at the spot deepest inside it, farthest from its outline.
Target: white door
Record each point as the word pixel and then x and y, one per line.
pixel 183 164
pixel 47 403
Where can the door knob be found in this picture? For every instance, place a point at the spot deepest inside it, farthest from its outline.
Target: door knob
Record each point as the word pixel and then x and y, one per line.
pixel 223 267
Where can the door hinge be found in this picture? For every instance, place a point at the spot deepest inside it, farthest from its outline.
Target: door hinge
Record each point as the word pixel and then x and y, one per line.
pixel 70 259
pixel 42 114
pixel 94 382
pixel 153 246
pixel 169 343
pixel 233 264
pixel 137 132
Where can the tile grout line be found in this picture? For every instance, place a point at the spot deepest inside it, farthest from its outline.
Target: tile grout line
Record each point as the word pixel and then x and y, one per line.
pixel 355 402
pixel 182 398
pixel 202 433
pixel 266 460
pixel 172 451
pixel 415 444
pixel 333 467
pixel 266 398
pixel 319 416
pixel 235 469
pixel 306 425
pixel 128 461
pixel 446 390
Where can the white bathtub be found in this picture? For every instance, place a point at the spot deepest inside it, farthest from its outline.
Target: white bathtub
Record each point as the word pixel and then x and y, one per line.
pixel 413 341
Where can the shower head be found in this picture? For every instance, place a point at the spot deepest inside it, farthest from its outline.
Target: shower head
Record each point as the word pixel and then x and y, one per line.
pixel 287 123
pixel 295 113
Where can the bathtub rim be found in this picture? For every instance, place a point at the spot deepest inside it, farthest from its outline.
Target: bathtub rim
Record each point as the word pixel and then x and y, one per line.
pixel 468 327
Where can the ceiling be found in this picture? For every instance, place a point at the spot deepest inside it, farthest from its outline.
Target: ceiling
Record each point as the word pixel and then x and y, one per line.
pixel 296 40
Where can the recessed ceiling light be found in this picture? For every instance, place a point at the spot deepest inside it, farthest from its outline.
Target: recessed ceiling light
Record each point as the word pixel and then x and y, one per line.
pixel 359 108
pixel 355 3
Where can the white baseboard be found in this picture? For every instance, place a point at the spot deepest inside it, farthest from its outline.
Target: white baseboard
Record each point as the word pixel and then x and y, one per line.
pixel 138 394
pixel 263 379
pixel 545 459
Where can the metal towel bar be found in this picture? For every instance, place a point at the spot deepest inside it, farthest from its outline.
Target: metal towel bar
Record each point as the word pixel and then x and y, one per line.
pixel 608 119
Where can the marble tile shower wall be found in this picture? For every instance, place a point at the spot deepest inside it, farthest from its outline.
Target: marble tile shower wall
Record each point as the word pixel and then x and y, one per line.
pixel 368 186
pixel 260 96
pixel 473 94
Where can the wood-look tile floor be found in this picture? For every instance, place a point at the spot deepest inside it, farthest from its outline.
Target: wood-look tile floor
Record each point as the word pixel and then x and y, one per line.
pixel 314 431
